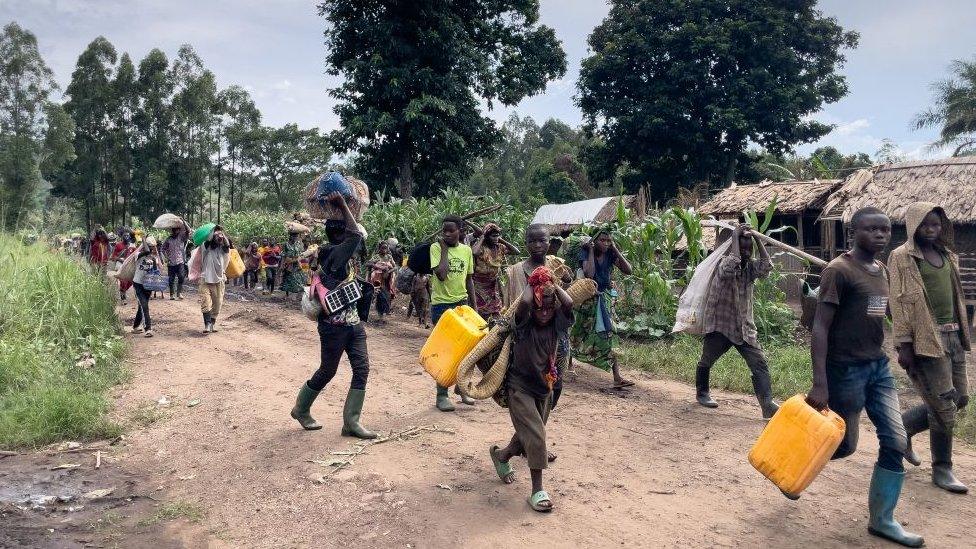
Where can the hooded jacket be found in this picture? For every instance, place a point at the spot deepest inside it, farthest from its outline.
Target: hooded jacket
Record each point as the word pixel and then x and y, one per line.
pixel 912 318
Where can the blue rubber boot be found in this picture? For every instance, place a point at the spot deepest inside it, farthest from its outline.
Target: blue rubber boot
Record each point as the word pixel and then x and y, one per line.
pixel 882 499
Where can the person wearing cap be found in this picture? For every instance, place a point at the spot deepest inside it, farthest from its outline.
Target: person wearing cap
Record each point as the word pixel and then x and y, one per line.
pixel 147 261
pixel 215 254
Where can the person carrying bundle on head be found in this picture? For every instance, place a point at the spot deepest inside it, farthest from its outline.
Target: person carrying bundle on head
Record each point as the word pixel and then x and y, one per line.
pixel 543 316
pixel 340 332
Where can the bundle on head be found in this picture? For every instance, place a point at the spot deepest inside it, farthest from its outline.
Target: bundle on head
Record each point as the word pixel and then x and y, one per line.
pixel 355 192
pixel 500 336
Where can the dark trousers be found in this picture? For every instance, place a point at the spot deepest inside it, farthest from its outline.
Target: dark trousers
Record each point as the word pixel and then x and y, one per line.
pixel 943 385
pixel 715 345
pixel 142 313
pixel 270 274
pixel 177 276
pixel 868 386
pixel 250 279
pixel 437 310
pixel 334 341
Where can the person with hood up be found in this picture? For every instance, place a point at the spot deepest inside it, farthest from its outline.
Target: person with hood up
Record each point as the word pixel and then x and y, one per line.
pixel 931 331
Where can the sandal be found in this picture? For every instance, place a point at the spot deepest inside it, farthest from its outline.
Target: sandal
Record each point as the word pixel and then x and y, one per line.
pixel 541 502
pixel 504 470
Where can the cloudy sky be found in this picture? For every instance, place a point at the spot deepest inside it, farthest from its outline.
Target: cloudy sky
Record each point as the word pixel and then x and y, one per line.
pixel 274 48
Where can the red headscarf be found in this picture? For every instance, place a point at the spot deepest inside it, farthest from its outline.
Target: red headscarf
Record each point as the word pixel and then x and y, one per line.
pixel 541 280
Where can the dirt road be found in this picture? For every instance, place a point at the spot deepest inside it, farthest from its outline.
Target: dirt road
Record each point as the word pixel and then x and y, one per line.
pixel 646 468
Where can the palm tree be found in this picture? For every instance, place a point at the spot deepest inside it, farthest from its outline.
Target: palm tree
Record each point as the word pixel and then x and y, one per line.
pixel 954 111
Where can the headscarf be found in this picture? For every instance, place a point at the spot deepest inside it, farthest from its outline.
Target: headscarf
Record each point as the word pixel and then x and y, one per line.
pixel 542 282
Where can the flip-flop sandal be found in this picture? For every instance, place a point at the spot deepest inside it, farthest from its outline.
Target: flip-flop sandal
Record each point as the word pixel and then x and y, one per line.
pixel 622 384
pixel 551 457
pixel 504 470
pixel 535 502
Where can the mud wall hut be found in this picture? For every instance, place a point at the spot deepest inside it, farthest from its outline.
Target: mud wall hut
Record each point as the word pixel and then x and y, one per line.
pixel 949 183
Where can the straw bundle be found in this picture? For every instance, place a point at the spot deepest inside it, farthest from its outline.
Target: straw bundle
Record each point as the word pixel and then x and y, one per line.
pixel 580 291
pixel 357 204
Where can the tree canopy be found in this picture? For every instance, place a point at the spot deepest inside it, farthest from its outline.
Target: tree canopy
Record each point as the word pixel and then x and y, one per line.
pixel 675 90
pixel 415 74
pixel 954 112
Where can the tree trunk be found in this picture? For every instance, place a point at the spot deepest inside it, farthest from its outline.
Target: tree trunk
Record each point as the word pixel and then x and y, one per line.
pixel 406 175
pixel 219 170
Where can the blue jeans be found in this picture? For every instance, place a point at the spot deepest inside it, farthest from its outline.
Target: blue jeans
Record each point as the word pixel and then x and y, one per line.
pixel 438 310
pixel 868 386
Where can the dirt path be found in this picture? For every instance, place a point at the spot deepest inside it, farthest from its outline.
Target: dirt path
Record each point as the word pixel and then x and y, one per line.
pixel 646 468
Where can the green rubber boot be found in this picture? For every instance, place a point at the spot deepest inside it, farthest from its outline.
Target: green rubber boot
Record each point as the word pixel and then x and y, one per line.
pixel 351 413
pixel 882 499
pixel 444 403
pixel 300 413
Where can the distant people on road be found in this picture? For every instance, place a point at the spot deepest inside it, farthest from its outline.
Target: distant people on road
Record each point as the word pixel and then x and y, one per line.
pixel 340 332
pixel 594 336
pixel 930 328
pixel 215 255
pixel 271 256
pixel 490 251
pixel 292 278
pixel 147 261
pixel 728 319
pixel 174 252
pixel 382 269
pixel 125 246
pixel 850 365
pixel 451 285
pixel 99 249
pixel 252 264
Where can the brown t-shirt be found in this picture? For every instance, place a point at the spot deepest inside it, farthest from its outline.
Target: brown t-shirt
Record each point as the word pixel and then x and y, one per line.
pixel 533 347
pixel 861 297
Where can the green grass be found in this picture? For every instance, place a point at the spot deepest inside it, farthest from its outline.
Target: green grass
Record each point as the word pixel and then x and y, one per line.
pixel 54 312
pixel 966 424
pixel 173 510
pixel 677 358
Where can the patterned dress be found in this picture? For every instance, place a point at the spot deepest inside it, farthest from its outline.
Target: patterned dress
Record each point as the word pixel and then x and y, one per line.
pixel 487 266
pixel 293 279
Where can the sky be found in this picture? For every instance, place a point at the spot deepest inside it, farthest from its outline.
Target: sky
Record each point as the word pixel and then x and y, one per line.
pixel 275 49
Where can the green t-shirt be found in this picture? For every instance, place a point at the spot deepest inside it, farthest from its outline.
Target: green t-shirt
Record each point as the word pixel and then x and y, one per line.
pixel 938 288
pixel 460 264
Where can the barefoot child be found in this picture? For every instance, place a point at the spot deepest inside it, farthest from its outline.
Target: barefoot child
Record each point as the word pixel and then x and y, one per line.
pixel 543 317
pixel 850 366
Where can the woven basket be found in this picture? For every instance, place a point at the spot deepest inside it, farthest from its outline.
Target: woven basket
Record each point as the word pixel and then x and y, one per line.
pixel 580 291
pixel 357 205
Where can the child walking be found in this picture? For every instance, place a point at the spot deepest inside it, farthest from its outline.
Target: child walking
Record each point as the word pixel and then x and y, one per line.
pixel 931 330
pixel 542 318
pixel 451 285
pixel 850 366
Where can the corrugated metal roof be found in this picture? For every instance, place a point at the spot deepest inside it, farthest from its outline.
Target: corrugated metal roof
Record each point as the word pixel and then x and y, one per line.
pixel 574 213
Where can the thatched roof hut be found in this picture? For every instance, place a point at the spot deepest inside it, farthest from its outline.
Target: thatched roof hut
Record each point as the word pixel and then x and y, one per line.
pixel 561 218
pixel 793 197
pixel 950 183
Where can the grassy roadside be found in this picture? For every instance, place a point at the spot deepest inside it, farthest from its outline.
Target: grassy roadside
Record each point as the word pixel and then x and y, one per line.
pixel 60 349
pixel 789 367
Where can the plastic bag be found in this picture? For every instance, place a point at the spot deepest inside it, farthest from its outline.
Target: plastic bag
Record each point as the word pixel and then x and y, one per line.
pixel 404 280
pixel 155 281
pixel 196 265
pixel 691 304
pixel 235 265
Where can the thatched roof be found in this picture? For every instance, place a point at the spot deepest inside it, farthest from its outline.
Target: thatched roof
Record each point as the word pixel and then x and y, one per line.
pixel 793 197
pixel 566 217
pixel 950 183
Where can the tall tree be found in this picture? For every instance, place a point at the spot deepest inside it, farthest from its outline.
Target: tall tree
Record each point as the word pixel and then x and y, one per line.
pixel 414 73
pixel 26 83
pixel 286 159
pixel 89 103
pixel 194 136
pixel 676 89
pixel 954 112
pixel 237 116
pixel 153 122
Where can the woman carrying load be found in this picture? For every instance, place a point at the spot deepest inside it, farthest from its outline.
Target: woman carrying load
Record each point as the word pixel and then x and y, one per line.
pixel 293 279
pixel 594 335
pixel 490 251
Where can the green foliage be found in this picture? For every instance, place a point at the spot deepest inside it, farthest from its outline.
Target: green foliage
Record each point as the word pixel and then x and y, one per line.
pixel 954 112
pixel 677 357
pixel 823 163
pixel 413 79
pixel 246 227
pixel 55 314
pixel 676 89
pixel 288 158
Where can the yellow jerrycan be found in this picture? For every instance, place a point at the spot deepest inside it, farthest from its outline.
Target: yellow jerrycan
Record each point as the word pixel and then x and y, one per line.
pixel 796 445
pixel 456 333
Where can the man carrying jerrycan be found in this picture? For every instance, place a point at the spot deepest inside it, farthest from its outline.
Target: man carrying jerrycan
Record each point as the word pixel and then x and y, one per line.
pixel 850 366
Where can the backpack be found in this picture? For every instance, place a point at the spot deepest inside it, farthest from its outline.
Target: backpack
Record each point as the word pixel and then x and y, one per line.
pixel 419 259
pixel 404 280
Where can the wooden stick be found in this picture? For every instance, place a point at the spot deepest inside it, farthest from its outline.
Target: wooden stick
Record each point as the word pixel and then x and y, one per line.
pixel 771 241
pixel 98 459
pixel 471 215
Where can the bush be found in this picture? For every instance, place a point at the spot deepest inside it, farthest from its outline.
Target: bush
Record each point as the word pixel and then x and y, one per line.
pixel 59 348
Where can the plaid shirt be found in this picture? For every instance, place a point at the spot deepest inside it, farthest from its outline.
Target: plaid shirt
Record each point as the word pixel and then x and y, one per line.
pixel 728 307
